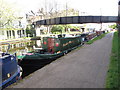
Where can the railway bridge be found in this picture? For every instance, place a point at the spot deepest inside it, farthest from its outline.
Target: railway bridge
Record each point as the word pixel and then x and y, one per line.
pixel 81 19
pixel 73 20
pixel 77 20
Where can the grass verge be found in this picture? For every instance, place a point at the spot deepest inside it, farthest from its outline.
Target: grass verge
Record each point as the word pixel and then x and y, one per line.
pixel 96 38
pixel 113 75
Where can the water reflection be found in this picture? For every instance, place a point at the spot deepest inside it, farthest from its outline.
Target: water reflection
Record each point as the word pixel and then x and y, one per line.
pixel 21 51
pixel 21 47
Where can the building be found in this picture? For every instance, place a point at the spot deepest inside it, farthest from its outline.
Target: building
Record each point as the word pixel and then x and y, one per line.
pixel 16 31
pixel 33 16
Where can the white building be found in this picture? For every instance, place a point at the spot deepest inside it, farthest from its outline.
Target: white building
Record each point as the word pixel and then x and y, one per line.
pixel 17 30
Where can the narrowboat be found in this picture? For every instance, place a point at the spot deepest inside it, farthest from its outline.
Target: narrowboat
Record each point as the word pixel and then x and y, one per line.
pixel 10 71
pixel 84 37
pixel 52 48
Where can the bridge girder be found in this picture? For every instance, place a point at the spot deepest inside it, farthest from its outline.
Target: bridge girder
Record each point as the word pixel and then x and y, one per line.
pixel 78 20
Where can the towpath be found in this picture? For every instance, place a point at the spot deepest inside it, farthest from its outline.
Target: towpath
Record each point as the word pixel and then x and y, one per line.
pixel 82 68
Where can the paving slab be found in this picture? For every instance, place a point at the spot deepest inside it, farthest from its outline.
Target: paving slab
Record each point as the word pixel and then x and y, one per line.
pixel 85 67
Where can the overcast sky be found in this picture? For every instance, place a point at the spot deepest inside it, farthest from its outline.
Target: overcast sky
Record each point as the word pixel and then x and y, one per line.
pixel 92 7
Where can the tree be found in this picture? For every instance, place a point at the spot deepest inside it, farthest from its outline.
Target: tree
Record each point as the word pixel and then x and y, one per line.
pixel 114 26
pixel 30 30
pixel 58 29
pixel 7 15
pixel 61 28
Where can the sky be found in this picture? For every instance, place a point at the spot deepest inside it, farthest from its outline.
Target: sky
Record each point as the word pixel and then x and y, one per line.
pixel 91 7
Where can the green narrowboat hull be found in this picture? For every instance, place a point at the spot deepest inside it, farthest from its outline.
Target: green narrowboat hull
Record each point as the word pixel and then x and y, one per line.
pixel 37 59
pixel 37 56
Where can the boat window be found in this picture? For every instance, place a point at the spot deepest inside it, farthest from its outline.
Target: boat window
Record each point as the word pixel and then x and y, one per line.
pixel 50 50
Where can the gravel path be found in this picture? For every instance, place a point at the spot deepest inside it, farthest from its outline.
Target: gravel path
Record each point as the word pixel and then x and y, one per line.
pixel 82 68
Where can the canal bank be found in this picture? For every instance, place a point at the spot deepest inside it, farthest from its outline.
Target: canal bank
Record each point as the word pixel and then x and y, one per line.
pixel 82 68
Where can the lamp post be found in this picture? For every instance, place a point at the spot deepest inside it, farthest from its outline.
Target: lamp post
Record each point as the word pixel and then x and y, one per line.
pixel 66 14
pixel 119 18
pixel 101 16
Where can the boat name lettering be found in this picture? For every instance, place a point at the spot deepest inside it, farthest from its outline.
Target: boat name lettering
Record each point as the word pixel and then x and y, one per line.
pixel 68 43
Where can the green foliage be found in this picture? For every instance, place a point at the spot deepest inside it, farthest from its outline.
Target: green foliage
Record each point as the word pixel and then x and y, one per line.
pixel 75 27
pixel 114 26
pixel 61 28
pixel 58 28
pixel 113 79
pixel 7 15
pixel 30 30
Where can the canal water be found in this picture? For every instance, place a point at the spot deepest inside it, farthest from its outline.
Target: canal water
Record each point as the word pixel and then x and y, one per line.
pixel 21 47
